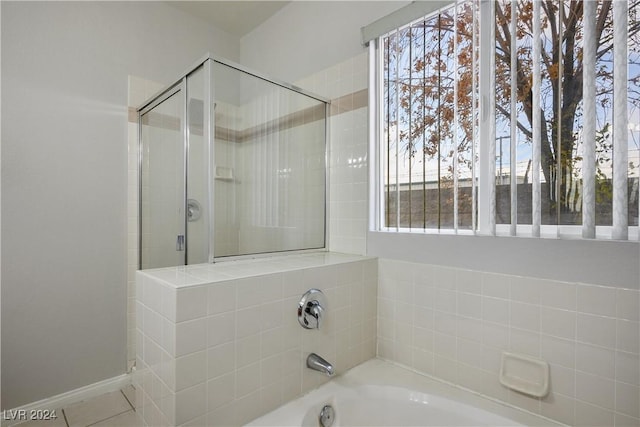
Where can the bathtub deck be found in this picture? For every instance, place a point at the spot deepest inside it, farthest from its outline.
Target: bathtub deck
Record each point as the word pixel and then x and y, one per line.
pixel 202 274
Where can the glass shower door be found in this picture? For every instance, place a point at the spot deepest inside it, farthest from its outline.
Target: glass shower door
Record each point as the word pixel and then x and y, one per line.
pixel 270 170
pixel 231 164
pixel 163 183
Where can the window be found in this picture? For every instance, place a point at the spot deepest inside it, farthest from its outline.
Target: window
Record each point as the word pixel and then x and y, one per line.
pixel 479 129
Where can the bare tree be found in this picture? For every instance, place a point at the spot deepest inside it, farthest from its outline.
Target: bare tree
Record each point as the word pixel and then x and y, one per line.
pixel 430 60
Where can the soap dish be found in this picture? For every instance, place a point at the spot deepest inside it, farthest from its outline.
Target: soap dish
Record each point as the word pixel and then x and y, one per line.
pixel 525 374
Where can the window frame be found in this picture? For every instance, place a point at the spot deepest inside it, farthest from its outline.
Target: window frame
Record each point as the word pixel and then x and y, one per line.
pixel 484 180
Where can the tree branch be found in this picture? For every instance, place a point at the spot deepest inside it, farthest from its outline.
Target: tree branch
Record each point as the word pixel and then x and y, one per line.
pixel 520 126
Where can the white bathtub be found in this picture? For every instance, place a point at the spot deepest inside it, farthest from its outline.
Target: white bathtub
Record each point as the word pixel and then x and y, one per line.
pixel 378 393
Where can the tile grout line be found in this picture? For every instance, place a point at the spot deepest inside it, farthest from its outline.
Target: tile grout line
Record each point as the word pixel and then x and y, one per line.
pixel 127 399
pixel 64 415
pixel 108 418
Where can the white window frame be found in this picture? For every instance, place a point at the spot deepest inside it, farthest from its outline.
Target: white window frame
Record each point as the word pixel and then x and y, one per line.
pixel 485 223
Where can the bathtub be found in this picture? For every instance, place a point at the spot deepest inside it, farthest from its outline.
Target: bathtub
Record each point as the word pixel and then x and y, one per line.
pixel 378 393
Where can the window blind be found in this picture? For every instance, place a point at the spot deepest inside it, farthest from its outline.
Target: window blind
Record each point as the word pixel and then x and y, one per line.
pixel 512 118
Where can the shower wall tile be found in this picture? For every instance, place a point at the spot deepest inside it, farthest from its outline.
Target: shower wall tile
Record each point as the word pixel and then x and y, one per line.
pixel 463 320
pixel 231 349
pixel 345 84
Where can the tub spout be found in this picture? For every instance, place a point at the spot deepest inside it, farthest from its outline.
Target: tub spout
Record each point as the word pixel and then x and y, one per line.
pixel 317 363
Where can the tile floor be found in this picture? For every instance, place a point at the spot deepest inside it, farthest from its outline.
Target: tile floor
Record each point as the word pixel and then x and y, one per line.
pixel 115 409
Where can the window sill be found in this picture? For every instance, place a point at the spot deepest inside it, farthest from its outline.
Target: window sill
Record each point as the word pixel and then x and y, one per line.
pixel 600 262
pixel 568 232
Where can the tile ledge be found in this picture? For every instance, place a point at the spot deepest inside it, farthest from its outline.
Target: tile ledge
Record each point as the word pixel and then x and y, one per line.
pixel 205 274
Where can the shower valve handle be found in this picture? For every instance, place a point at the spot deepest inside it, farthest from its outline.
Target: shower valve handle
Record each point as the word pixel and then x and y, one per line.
pixel 314 314
pixel 311 308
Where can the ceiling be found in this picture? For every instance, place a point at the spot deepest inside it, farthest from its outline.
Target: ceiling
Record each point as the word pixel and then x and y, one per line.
pixel 235 17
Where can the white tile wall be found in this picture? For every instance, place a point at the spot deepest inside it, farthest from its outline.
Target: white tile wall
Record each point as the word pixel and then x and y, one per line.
pixel 348 153
pixel 231 350
pixel 454 324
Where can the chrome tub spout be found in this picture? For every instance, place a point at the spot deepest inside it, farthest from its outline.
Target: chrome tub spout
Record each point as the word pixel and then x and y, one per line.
pixel 317 363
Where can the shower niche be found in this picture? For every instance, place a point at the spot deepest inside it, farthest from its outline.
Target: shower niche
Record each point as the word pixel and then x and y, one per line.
pixel 231 163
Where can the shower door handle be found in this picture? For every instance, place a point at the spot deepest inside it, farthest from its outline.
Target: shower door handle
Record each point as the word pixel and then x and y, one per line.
pixel 180 243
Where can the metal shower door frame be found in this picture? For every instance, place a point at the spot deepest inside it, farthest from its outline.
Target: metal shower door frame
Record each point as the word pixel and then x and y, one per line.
pixel 208 132
pixel 180 85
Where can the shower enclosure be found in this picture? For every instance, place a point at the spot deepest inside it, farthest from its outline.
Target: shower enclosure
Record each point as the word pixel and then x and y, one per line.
pixel 231 163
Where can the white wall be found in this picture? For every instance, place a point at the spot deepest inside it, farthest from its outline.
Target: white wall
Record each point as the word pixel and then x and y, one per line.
pixel 64 179
pixel 308 36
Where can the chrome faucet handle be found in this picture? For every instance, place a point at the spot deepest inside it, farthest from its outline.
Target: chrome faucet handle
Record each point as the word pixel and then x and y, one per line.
pixel 314 311
pixel 311 309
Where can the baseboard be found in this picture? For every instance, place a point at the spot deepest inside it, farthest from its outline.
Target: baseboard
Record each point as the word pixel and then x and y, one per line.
pixel 10 416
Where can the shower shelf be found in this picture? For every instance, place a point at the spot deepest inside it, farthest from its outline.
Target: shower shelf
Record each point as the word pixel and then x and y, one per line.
pixel 223 173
